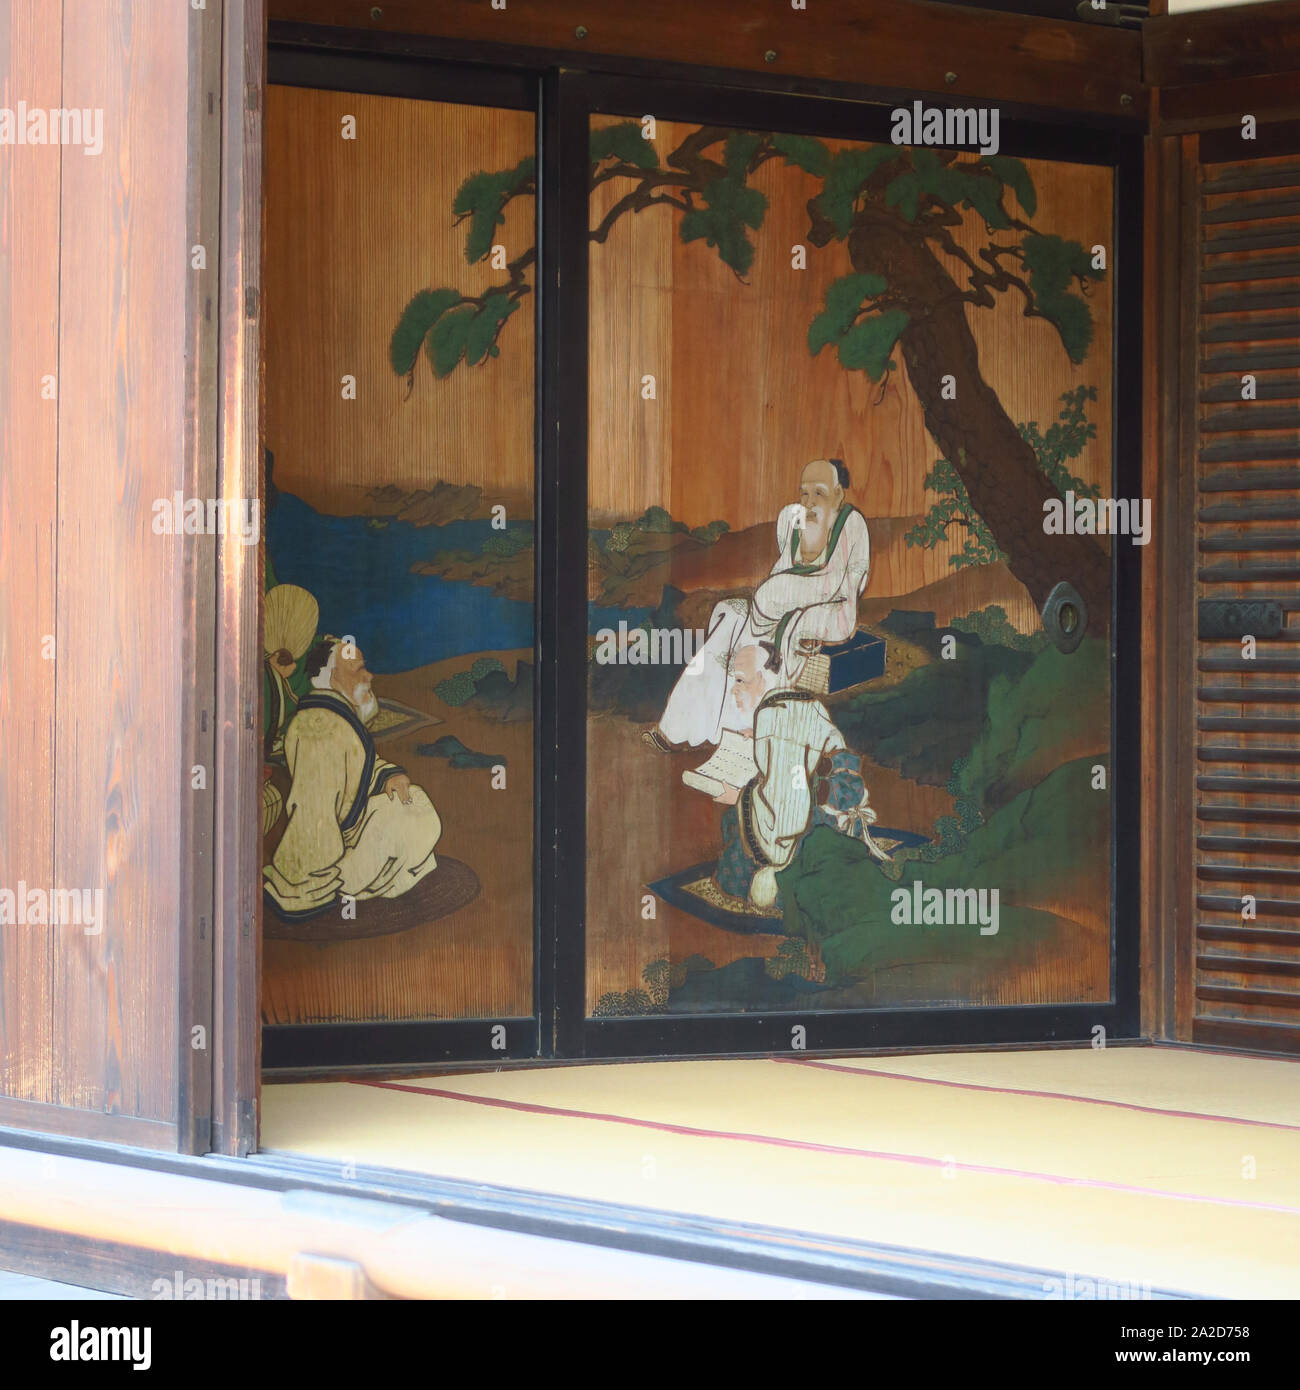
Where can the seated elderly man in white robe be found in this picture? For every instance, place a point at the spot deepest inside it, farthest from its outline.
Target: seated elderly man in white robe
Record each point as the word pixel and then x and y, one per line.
pixel 810 597
pixel 357 828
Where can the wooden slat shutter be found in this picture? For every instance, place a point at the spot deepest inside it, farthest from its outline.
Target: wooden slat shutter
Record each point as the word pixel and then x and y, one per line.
pixel 1247 894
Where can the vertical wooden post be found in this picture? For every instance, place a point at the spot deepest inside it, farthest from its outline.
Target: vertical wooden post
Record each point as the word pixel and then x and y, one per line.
pixel 31 46
pixel 198 706
pixel 236 845
pixel 1172 256
pixel 1180 597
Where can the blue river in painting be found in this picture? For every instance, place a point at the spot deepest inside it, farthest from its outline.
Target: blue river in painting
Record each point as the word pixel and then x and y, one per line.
pixel 361 577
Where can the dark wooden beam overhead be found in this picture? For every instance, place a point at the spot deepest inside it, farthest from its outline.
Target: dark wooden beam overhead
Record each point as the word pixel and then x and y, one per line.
pixel 1222 45
pixel 1221 105
pixel 907 45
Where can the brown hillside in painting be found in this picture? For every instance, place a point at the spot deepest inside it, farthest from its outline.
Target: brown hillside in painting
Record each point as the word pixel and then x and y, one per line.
pixel 740 560
pixel 959 592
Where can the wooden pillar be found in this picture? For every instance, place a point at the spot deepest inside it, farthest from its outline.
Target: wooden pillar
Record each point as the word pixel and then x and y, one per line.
pixel 111 323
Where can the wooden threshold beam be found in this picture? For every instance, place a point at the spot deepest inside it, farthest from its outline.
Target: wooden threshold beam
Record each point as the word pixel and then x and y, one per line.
pixel 320 1246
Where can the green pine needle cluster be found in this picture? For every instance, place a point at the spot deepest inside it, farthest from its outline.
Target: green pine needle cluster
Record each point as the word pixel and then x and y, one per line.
pixel 449 326
pixel 452 328
pixel 482 198
pixel 951 184
pixel 863 344
pixel 624 144
pixel 730 206
pixel 846 172
pixel 448 332
pixel 1054 264
pixel 1015 176
pixel 803 152
pixel 419 316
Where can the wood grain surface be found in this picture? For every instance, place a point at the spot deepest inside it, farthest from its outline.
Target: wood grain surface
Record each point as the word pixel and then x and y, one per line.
pixel 30 67
pixel 354 228
pixel 94 295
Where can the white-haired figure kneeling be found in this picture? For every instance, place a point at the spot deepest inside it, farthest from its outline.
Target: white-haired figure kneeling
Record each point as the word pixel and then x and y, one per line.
pixel 357 827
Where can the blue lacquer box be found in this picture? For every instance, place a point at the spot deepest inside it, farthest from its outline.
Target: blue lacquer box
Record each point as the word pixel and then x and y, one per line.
pixel 861 658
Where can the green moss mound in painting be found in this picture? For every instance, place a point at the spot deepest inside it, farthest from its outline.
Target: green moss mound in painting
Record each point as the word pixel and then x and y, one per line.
pixel 460 688
pixel 1060 699
pixel 922 725
pixel 1029 822
pixel 458 754
pixel 838 898
pixel 660 976
pixel 992 626
pixel 487 688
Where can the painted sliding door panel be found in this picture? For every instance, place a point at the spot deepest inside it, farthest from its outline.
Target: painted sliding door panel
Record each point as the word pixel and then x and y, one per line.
pixel 399 408
pixel 803 723
pixel 1247 971
pixel 30 62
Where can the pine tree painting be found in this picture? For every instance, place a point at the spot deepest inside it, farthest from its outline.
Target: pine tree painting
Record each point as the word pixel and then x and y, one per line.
pixel 890 212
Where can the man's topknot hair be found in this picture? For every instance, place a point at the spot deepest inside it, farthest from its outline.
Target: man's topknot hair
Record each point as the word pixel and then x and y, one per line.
pixel 841 472
pixel 318 657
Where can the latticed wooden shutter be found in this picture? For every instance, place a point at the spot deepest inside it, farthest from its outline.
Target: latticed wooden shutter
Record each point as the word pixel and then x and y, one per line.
pixel 1247 711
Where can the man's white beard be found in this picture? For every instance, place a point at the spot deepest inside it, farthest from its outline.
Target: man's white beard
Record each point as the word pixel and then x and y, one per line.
pixel 744 715
pixel 364 698
pixel 814 535
pixel 747 711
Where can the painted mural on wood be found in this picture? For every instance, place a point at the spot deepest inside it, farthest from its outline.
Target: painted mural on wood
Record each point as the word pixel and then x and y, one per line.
pixel 397 694
pixel 834 759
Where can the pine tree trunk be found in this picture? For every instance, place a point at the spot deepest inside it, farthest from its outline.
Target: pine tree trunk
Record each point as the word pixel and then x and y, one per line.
pixel 974 433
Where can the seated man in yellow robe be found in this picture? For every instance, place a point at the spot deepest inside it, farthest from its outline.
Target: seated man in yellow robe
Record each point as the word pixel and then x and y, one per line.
pixel 290 615
pixel 357 828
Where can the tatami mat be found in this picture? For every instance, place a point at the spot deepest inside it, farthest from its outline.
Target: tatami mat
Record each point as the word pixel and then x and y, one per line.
pixel 1171 1168
pixel 1166 1078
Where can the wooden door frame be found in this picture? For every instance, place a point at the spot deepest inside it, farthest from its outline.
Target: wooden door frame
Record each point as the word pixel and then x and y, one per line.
pixel 235 1043
pixel 1194 88
pixel 562 507
pixel 157 321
